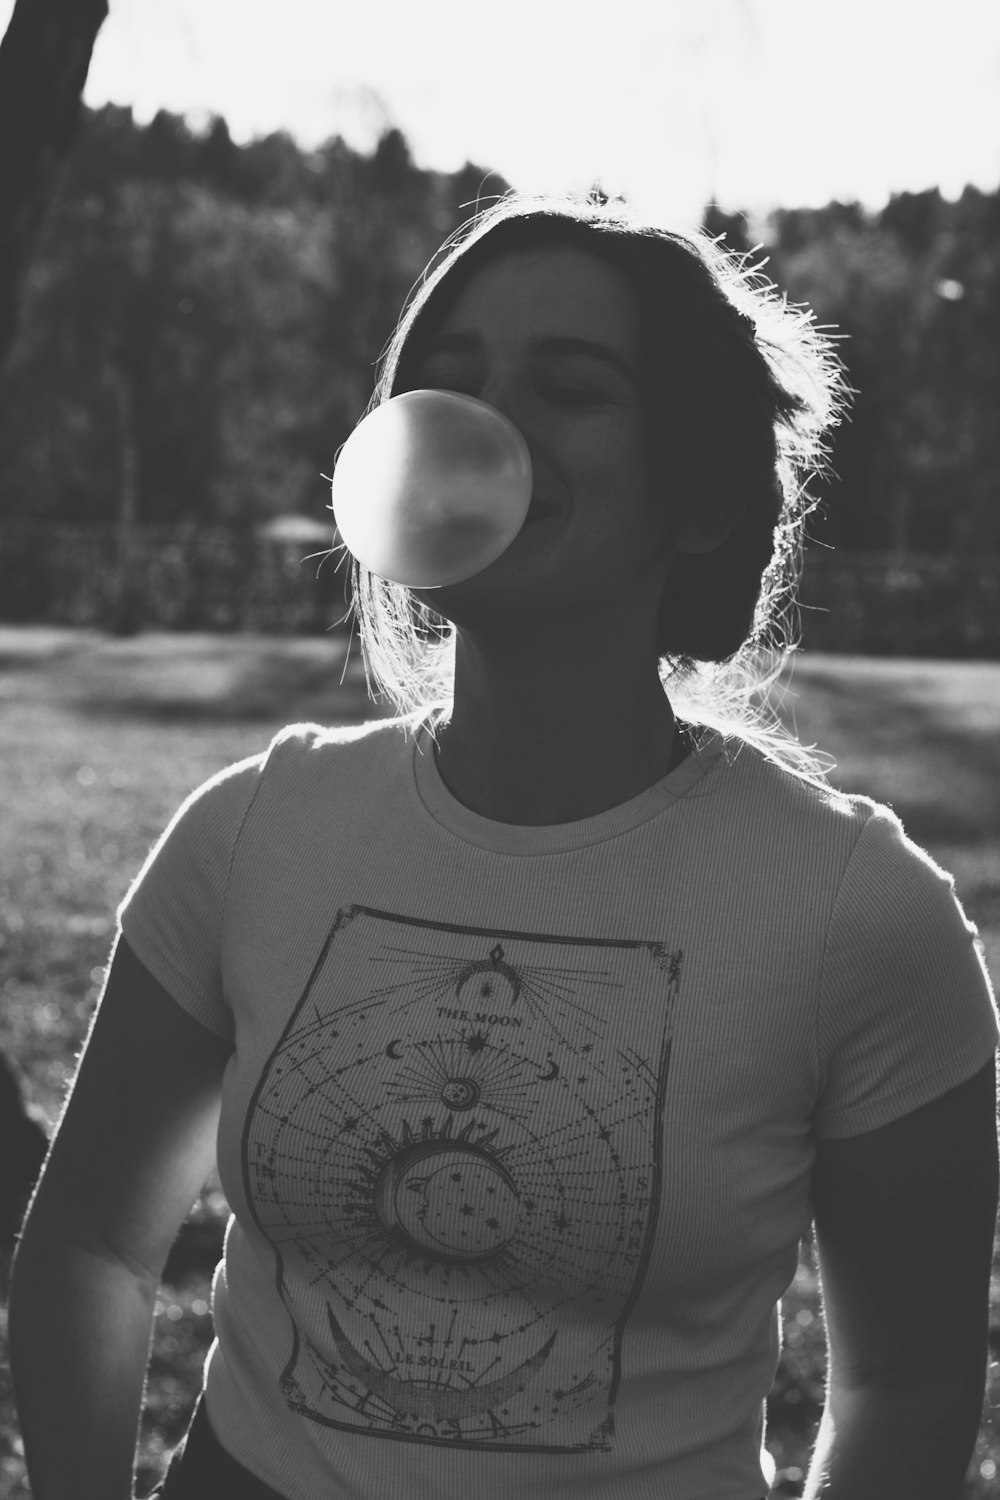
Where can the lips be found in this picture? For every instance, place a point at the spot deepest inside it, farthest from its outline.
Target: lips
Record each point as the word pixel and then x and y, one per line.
pixel 538 510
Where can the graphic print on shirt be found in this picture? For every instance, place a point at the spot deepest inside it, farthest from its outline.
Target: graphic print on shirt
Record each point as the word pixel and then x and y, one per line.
pixel 455 1151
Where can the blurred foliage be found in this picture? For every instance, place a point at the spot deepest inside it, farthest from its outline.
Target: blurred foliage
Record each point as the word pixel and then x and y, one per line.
pixel 917 293
pixel 202 318
pixel 897 604
pixel 913 292
pixel 285 579
pixel 171 577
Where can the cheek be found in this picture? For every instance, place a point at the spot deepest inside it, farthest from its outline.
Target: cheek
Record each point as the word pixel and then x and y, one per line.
pixel 623 469
pixel 611 450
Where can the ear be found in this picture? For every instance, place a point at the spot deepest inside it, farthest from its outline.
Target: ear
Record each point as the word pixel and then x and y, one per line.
pixel 713 520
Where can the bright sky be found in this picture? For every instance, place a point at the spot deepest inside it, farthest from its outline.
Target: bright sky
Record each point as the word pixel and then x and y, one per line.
pixel 759 102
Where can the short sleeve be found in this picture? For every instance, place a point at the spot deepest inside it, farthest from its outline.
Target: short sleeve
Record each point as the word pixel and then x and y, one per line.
pixel 906 1011
pixel 171 917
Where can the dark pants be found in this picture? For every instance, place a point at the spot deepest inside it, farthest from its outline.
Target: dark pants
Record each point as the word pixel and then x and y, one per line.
pixel 201 1469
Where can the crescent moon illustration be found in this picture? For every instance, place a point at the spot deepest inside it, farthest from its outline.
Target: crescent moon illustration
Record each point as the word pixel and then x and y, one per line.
pixel 552 1073
pixel 394 1043
pixel 441 1403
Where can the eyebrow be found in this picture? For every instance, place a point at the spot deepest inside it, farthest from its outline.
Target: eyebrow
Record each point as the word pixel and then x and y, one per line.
pixel 460 342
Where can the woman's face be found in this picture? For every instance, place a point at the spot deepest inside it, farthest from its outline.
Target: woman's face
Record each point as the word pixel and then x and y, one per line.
pixel 550 337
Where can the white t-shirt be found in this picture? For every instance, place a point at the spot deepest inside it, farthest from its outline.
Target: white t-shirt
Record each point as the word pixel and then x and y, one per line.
pixel 518 1129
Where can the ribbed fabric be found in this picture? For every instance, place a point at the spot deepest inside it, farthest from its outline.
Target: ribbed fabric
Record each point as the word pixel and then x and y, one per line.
pixel 518 1129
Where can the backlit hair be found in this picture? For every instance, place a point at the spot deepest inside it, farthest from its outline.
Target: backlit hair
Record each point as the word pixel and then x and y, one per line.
pixel 740 393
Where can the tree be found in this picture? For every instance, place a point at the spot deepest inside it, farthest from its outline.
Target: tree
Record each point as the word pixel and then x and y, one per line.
pixel 732 229
pixel 44 61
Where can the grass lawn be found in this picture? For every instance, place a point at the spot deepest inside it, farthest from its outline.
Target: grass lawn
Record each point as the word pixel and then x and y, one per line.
pixel 99 742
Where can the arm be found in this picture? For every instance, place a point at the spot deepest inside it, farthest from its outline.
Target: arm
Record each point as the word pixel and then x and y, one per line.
pixel 905 1218
pixel 133 1148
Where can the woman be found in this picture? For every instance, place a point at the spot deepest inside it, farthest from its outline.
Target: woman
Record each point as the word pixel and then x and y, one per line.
pixel 543 1021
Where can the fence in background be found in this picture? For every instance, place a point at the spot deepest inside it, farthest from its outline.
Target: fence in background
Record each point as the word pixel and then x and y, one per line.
pixel 167 578
pixel 877 604
pixel 231 579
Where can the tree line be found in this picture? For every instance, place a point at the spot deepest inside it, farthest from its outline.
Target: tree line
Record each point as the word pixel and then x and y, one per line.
pixel 201 321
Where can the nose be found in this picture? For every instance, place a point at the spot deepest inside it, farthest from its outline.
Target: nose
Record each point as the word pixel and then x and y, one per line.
pixel 509 396
pixel 503 392
pixel 498 390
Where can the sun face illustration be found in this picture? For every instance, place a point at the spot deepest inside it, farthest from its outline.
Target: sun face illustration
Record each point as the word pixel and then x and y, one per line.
pixel 461 1093
pixel 437 1195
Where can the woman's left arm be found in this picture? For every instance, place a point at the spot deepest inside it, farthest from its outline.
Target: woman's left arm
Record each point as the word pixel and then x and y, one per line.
pixel 905 1217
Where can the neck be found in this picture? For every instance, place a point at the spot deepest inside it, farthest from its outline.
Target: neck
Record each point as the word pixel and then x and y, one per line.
pixel 553 726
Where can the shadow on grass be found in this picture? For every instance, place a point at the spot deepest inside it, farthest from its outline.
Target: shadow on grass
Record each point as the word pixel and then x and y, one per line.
pixel 180 679
pixel 275 689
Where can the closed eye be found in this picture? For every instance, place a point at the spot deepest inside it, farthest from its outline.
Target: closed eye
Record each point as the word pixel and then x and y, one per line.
pixel 572 393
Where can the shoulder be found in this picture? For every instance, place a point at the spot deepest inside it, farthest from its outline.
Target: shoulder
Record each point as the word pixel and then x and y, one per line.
pixel 305 753
pixel 317 739
pixel 209 821
pixel 211 815
pixel 882 874
pixel 225 794
pixel 312 771
pixel 789 813
pixel 296 749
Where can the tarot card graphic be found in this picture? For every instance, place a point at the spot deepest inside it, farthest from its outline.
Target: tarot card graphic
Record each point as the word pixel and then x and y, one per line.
pixel 455 1152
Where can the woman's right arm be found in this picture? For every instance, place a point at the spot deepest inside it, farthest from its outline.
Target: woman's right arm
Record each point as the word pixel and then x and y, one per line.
pixel 134 1146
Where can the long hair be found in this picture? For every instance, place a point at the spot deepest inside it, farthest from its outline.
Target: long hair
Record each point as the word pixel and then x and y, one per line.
pixel 740 393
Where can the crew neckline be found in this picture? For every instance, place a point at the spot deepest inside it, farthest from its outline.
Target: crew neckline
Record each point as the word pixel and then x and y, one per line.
pixel 553 838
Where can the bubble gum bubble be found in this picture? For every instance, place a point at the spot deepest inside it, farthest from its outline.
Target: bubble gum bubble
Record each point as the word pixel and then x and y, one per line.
pixel 431 487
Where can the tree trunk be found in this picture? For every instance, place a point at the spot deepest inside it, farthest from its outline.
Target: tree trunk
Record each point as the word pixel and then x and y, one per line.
pixel 126 613
pixel 44 59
